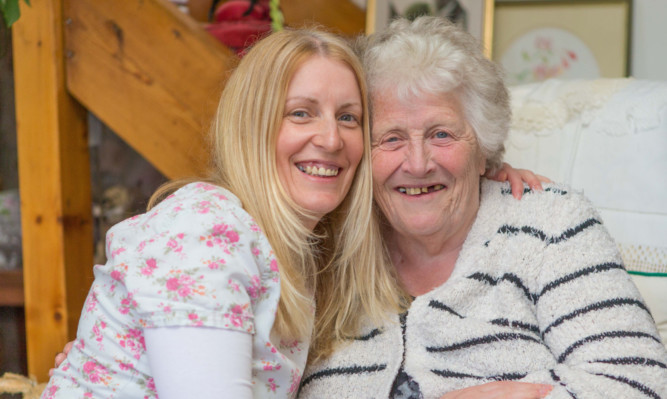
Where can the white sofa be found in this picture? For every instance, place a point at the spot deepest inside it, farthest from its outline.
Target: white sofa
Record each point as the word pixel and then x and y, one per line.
pixel 607 138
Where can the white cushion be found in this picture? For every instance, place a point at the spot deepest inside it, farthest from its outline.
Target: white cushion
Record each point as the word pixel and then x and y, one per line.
pixel 654 290
pixel 607 138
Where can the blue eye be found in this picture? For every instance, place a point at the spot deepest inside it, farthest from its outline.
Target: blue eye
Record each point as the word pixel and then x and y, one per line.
pixel 349 119
pixel 299 114
pixel 441 135
pixel 391 142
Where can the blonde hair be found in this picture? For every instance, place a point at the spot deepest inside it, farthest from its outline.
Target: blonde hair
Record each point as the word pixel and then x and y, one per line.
pixel 341 260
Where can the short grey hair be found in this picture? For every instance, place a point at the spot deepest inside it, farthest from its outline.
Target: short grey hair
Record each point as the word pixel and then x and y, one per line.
pixel 432 55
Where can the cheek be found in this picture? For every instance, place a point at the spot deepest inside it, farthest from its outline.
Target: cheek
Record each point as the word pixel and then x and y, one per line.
pixel 463 162
pixel 289 142
pixel 282 143
pixel 356 149
pixel 382 166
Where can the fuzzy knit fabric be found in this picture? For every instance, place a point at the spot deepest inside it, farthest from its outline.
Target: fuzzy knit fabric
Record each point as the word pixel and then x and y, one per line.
pixel 539 294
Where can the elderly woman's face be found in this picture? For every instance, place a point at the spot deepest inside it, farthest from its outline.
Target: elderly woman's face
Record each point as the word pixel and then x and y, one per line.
pixel 426 164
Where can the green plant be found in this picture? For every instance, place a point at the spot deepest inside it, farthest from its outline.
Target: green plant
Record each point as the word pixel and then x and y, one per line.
pixel 11 11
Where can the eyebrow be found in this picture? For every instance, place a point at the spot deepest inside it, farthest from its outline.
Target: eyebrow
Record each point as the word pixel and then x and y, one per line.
pixel 351 105
pixel 314 101
pixel 301 98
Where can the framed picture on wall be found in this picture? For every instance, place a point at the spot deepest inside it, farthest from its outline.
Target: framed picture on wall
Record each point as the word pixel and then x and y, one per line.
pixel 475 15
pixel 535 40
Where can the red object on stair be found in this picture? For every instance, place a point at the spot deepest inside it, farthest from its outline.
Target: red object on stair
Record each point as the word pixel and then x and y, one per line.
pixel 238 23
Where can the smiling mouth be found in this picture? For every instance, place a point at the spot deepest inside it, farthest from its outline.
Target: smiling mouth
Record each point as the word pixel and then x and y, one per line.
pixel 318 171
pixel 420 190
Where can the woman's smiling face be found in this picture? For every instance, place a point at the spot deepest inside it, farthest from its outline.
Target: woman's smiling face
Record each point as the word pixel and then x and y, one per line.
pixel 320 142
pixel 426 164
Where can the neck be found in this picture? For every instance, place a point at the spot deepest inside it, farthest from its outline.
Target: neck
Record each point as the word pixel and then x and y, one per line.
pixel 309 221
pixel 426 262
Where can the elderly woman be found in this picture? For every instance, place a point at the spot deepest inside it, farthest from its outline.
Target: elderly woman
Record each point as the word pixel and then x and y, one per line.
pixel 531 291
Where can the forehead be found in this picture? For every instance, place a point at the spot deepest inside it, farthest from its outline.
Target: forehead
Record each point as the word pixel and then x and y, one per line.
pixel 390 111
pixel 317 73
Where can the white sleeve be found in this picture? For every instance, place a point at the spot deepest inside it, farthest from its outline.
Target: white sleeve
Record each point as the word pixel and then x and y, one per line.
pixel 200 362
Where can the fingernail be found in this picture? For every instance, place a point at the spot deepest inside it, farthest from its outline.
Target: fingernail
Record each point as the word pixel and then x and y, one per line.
pixel 545 390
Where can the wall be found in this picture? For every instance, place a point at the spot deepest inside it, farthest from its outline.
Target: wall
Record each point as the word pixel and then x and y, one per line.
pixel 649 48
pixel 649 31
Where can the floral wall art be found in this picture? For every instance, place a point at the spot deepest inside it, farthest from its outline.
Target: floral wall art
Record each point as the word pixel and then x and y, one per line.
pixel 537 40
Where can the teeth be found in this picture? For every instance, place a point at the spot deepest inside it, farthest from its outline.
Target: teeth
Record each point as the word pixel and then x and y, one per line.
pixel 315 171
pixel 420 190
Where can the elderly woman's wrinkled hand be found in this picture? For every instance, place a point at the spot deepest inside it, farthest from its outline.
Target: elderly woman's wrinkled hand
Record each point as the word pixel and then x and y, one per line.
pixel 60 357
pixel 517 177
pixel 502 390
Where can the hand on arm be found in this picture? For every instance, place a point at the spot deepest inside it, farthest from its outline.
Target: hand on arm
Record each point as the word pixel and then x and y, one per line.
pixel 517 177
pixel 60 357
pixel 501 390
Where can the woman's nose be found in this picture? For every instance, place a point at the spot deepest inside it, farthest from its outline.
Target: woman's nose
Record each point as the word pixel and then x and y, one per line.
pixel 417 158
pixel 328 136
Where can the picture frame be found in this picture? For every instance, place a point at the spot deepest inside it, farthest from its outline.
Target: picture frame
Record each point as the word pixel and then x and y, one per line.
pixel 475 15
pixel 535 40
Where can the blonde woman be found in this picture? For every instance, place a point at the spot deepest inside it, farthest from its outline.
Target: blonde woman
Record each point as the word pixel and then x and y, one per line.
pixel 210 293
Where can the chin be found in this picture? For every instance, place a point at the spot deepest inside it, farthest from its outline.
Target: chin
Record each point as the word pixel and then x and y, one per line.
pixel 423 225
pixel 320 206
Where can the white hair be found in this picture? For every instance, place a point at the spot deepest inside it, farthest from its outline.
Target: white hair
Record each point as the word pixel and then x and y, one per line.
pixel 433 55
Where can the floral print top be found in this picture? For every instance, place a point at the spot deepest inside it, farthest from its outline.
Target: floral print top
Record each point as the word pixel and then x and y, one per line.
pixel 196 259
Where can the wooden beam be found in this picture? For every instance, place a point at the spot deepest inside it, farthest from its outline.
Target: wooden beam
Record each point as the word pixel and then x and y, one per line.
pixel 150 73
pixel 54 184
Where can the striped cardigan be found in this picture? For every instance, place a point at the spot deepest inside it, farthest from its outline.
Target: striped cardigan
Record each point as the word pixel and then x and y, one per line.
pixel 538 294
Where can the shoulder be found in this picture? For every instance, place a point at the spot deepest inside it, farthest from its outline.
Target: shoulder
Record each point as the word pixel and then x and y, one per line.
pixel 197 253
pixel 199 200
pixel 557 220
pixel 557 228
pixel 556 204
pixel 195 206
pixel 200 225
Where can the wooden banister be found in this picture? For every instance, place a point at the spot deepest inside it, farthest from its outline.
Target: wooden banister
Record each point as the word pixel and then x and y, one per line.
pixel 54 186
pixel 150 73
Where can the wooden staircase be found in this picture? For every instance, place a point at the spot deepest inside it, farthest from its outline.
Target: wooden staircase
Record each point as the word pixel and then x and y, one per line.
pixel 150 73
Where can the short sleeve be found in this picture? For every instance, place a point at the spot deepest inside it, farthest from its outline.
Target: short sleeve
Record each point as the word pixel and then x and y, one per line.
pixel 188 262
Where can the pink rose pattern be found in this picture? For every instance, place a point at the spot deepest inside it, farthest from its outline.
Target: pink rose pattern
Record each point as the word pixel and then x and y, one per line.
pixel 544 61
pixel 183 263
